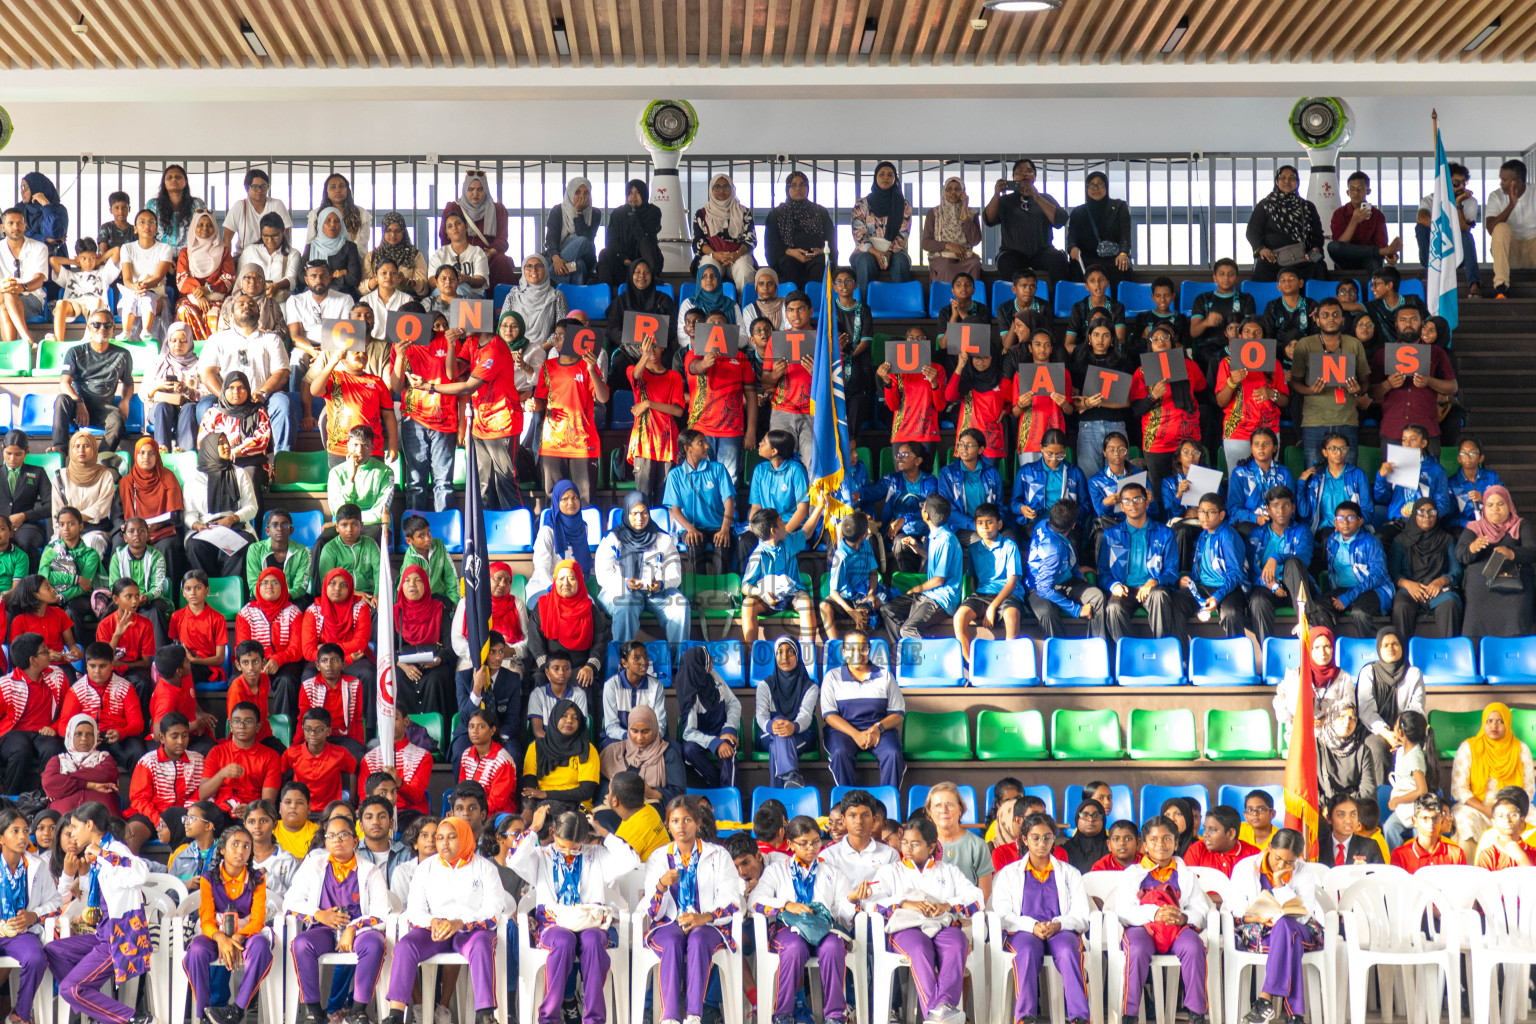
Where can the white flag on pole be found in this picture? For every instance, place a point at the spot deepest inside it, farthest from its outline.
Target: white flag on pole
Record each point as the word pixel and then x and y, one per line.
pixel 384 645
pixel 1445 253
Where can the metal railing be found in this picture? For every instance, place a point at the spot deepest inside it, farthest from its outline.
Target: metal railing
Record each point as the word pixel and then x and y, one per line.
pixel 1186 209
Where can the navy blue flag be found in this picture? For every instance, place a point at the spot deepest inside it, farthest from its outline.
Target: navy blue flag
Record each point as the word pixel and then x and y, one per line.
pixel 477 563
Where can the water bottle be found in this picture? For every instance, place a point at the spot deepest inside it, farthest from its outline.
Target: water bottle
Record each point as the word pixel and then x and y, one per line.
pixel 1204 614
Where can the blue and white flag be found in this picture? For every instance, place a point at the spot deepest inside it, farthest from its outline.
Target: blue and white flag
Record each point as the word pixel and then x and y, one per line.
pixel 828 461
pixel 385 648
pixel 1445 253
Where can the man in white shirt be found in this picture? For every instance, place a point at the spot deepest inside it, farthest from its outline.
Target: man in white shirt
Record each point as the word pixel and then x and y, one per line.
pixel 304 311
pixel 260 355
pixel 1467 206
pixel 23 270
pixel 244 217
pixel 1511 223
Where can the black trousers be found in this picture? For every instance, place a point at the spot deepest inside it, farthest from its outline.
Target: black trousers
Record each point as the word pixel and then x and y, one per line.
pixel 1263 602
pixel 496 461
pixel 203 555
pixel 905 616
pixel 22 757
pixel 103 413
pixel 285 691
pixel 1263 270
pixel 1229 611
pixel 651 480
pixel 1361 613
pixel 31 538
pixel 1050 262
pixel 613 271
pixel 1406 613
pixel 794 273
pixel 1051 616
pixel 1163 615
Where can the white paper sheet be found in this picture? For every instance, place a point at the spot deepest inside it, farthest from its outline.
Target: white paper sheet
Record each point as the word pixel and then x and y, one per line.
pixel 223 538
pixel 1203 480
pixel 1405 466
pixel 419 658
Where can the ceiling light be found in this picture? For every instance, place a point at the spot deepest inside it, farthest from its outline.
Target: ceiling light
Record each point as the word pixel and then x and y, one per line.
pixel 867 43
pixel 1021 6
pixel 252 39
pixel 1177 35
pixel 978 24
pixel 80 28
pixel 562 43
pixel 1482 37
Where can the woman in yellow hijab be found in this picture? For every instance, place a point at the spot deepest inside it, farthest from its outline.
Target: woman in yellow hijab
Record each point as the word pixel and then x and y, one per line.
pixel 1484 764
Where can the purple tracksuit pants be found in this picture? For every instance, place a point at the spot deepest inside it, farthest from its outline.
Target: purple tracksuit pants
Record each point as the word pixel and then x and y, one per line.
pixel 938 964
pixel 203 954
pixel 1139 949
pixel 312 943
pixel 794 953
pixel 416 945
pixel 562 947
pixel 684 966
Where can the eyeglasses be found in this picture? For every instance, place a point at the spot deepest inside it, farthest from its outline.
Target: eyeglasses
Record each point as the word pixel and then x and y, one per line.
pixel 1346 517
pixel 1134 499
pixel 966 444
pixel 1424 513
pixel 100 325
pixel 1336 448
pixel 335 835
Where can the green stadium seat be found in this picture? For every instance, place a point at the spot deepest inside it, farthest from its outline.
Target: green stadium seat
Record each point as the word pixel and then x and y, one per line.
pixel 300 471
pixel 1524 724
pixel 1010 736
pixel 52 461
pixel 714 597
pixel 1092 735
pixel 1293 458
pixel 887 463
pixel 1162 735
pixel 520 587
pixel 936 736
pixel 433 723
pixel 1239 735
pixel 15 361
pixel 750 751
pixel 180 463
pixel 787 613
pixel 1450 728
pixel 1369 460
pixel 282 728
pixel 226 595
pixel 50 357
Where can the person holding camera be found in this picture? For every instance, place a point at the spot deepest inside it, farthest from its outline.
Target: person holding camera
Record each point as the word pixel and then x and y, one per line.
pixel 1028 217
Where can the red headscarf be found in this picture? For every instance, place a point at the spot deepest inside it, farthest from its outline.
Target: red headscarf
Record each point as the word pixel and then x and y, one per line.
pixel 148 493
pixel 271 608
pixel 419 621
pixel 504 617
pixel 336 619
pixel 567 621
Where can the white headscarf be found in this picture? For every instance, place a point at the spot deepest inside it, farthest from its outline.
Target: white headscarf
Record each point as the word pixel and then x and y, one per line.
pixel 568 212
pixel 727 217
pixel 204 254
pixel 479 217
pixel 72 759
pixel 535 303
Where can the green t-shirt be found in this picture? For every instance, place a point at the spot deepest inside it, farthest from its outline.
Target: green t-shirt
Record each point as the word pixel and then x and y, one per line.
pixel 13 566
pixel 361 560
pixel 296 567
pixel 1324 409
pixel 148 572
pixel 442 575
pixel 372 489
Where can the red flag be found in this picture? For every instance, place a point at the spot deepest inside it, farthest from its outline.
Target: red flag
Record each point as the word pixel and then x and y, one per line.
pixel 1301 812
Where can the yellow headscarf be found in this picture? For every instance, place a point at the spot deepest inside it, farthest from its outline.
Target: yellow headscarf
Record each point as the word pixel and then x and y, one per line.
pixel 1496 760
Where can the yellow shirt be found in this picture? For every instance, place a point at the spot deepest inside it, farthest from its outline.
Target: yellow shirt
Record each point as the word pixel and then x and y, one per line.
pixel 1381 841
pixel 644 832
pixel 296 843
pixel 1245 833
pixel 572 775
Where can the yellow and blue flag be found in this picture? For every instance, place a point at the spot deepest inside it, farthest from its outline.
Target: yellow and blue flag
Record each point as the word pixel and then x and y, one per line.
pixel 828 460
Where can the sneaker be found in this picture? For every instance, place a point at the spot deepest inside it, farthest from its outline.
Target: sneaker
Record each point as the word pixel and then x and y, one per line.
pixel 441 1015
pixel 146 336
pixel 783 1018
pixel 1199 1018
pixel 142 1018
pixel 49 337
pixel 1127 1018
pixel 1501 291
pixel 224 1014
pixel 1264 1011
pixel 358 1015
pixel 1077 1020
pixel 693 1018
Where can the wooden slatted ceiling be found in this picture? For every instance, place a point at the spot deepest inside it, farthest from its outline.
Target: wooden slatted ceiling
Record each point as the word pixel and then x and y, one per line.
pixel 775 33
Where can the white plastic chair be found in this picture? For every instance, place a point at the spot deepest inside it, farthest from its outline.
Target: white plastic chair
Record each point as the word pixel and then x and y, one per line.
pixel 430 965
pixel 1460 885
pixel 1165 969
pixel 1335 881
pixel 1000 968
pixel 43 1002
pixel 643 961
pixel 182 927
pixel 291 930
pixel 869 947
pixel 1385 918
pixel 1505 935
pixel 530 968
pixel 158 909
pixel 767 971
pixel 1235 962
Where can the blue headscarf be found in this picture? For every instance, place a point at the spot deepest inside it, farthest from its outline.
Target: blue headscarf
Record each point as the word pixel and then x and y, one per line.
pixel 321 246
pixel 717 301
pixel 570 531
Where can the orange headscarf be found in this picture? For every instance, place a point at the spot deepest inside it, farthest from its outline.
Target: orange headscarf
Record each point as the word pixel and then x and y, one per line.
pixel 1495 760
pixel 466 842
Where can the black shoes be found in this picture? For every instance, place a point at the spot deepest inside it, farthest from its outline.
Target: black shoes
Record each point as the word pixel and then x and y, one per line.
pixel 224 1015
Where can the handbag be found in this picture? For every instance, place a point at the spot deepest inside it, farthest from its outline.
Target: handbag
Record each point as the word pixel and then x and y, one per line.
pixel 1105 249
pixel 1499 581
pixel 581 917
pixel 812 927
pixel 1290 255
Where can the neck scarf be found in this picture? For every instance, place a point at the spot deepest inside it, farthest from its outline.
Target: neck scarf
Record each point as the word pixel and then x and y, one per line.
pixel 419 621
pixel 788 688
pixel 650 762
pixel 321 246
pixel 567 878
pixel 171 366
pixel 13 888
pixel 695 686
pixel 1442 331
pixel 1508 528
pixel 478 217
pixel 73 759
pixel 887 202
pixel 85 472
pixel 568 214
pixel 568 620
pixel 570 530
pixel 709 301
pixel 556 749
pixel 950 219
pixel 686 892
pixel 1495 761
pixel 724 218
pixel 799 220
pixel 247 412
pixel 270 609
pixel 1288 210
pixel 1426 549
pixel 1007 827
pixel 520 342
pixel 804 878
pixel 204 254
pixel 1386 675
pixel 536 302
pixel 633 543
pixel 149 492
pixel 466 843
pixel 401 254
pixel 336 617
pixel 223 488
pixel 504 617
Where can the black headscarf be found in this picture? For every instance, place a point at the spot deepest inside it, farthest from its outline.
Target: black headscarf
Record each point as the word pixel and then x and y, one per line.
pixel 800 221
pixel 695 686
pixel 556 749
pixel 1191 830
pixel 788 688
pixel 223 485
pixel 888 202
pixel 1442 331
pixel 972 379
pixel 1387 675
pixel 1425 549
pixel 1084 851
pixel 633 543
pixel 1100 210
pixel 639 185
pixel 247 412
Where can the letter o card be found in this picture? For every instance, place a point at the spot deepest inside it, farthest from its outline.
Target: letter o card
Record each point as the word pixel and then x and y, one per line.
pixel 909 356
pixel 411 328
pixel 642 327
pixel 1160 366
pixel 1113 385
pixel 1406 359
pixel 343 336
pixel 790 345
pixel 578 341
pixel 472 316
pixel 1256 355
pixel 968 337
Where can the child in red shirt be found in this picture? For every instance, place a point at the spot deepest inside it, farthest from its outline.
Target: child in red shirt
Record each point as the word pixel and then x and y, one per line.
pixel 200 629
pixel 567 392
pixel 653 439
pixel 111 702
pixel 33 607
pixel 722 403
pixel 355 397
pixel 916 400
pixel 169 775
pixel 487 762
pixel 172 670
pixel 319 762
pixel 429 418
pixel 339 694
pixel 252 685
pixel 1037 413
pixel 131 635
pixel 239 770
pixel 413 769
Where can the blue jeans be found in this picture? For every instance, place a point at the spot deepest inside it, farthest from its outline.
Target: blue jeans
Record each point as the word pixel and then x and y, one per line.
pixel 428 453
pixel 866 269
pixel 727 452
pixel 1394 831
pixel 1312 443
pixel 670 606
pixel 581 253
pixel 1090 443
pixel 1468 251
pixel 280 406
pixel 179 420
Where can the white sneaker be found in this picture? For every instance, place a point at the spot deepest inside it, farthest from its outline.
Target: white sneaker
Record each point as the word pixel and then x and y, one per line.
pixel 440 1015
pixel 146 336
pixel 417 1015
pixel 693 1018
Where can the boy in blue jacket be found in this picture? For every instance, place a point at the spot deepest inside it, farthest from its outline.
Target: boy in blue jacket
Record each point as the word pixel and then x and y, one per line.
pixel 1325 485
pixel 1216 584
pixel 1358 583
pixel 854 587
pixel 1279 560
pixel 1468 483
pixel 1057 588
pixel 1139 567
pixel 939 595
pixel 1251 480
pixel 900 496
pixel 1399 501
pixel 967 483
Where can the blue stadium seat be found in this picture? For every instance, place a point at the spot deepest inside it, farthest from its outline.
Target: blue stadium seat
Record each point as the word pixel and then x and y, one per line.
pixel 509 532
pixel 1002 291
pixel 761 665
pixel 1134 295
pixel 887 795
pixel 1150 800
pixel 1236 796
pixel 1221 662
pixel 659 653
pixel 593 299
pixel 1280 654
pixel 889 300
pixel 660 516
pixel 1408 286
pixel 307 526
pixel 813 291
pixel 1146 661
pixel 590 515
pixel 1352 654
pixel 621 410
pixel 805 800
pixel 1077 662
pixel 37 415
pixel 726 657
pixel 686 289
pixel 1508 660
pixel 1004 662
pixel 1121 806
pixel 726 802
pixel 1068 293
pixel 939 294
pixel 1191 290
pixel 447 526
pixel 1448 662
pixel 499 295
pixel 1263 293
pixel 659 287
pixel 931 662
pixel 917 796
pixel 1317 291
pixel 879 654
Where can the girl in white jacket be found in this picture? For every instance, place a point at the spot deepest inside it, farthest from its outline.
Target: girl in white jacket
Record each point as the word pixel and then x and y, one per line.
pixel 793 885
pixel 1281 871
pixel 1163 909
pixel 28 896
